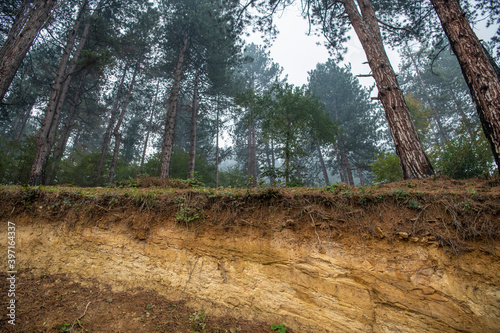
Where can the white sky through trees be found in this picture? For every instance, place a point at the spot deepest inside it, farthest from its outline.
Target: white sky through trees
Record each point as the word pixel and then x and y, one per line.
pixel 299 53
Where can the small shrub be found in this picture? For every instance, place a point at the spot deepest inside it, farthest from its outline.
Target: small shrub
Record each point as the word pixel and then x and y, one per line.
pixel 459 159
pixel 281 328
pixel 386 169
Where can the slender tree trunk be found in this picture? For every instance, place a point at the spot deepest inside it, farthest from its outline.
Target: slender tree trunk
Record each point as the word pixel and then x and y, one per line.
pixel 217 146
pixel 18 128
pixel 479 73
pixel 109 131
pixel 464 117
pixel 345 161
pixel 118 136
pixel 360 174
pixel 150 124
pixel 252 151
pixel 270 161
pixel 66 131
pixel 342 172
pixel 414 161
pixel 45 137
pixel 429 100
pixel 194 119
pixel 20 38
pixel 323 165
pixel 169 134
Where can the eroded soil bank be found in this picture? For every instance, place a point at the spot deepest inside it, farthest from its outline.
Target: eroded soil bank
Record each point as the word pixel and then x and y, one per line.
pixel 410 257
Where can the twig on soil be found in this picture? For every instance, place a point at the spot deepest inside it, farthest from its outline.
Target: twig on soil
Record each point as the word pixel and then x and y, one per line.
pixel 315 231
pixel 78 319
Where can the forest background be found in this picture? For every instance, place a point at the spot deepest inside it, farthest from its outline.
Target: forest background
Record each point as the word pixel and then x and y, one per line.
pixel 106 91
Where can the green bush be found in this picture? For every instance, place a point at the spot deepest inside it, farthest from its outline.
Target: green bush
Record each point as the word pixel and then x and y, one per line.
pixel 460 159
pixel 386 169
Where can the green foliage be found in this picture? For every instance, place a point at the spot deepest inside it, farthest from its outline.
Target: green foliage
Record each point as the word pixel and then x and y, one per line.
pixel 460 159
pixel 386 169
pixel 198 319
pixel 233 177
pixel 188 214
pixel 281 328
pixel 420 116
pixel 16 160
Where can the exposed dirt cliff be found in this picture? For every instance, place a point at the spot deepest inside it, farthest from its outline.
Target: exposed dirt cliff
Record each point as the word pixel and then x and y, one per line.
pixel 406 257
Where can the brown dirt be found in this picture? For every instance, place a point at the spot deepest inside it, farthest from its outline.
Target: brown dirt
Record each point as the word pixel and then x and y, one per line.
pixel 458 216
pixel 55 303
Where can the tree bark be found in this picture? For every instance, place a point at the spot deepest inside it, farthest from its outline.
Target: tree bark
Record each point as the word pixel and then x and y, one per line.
pixel 169 134
pixel 479 73
pixel 429 100
pixel 109 131
pixel 118 136
pixel 46 134
pixel 346 164
pixel 66 131
pixel 194 119
pixel 342 172
pixel 150 124
pixel 414 161
pixel 20 38
pixel 217 146
pixel 323 165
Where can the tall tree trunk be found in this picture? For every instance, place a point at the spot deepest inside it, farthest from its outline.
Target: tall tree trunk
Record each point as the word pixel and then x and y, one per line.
pixel 360 174
pixel 323 166
pixel 150 124
pixel 66 131
pixel 21 35
pixel 46 135
pixel 109 131
pixel 465 119
pixel 217 146
pixel 414 162
pixel 479 73
pixel 429 100
pixel 346 164
pixel 270 161
pixel 340 163
pixel 252 151
pixel 118 136
pixel 18 128
pixel 169 134
pixel 194 119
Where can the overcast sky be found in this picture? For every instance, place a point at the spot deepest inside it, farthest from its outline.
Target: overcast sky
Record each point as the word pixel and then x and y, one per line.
pixel 298 53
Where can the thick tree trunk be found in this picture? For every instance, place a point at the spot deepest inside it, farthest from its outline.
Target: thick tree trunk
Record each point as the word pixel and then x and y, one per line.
pixel 323 165
pixel 109 131
pixel 194 120
pixel 116 132
pixel 46 135
pixel 21 35
pixel 150 124
pixel 414 161
pixel 169 134
pixel 66 131
pixel 429 100
pixel 479 73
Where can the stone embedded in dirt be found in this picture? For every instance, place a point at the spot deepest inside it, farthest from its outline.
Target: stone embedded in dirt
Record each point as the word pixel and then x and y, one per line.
pixel 403 235
pixel 380 233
